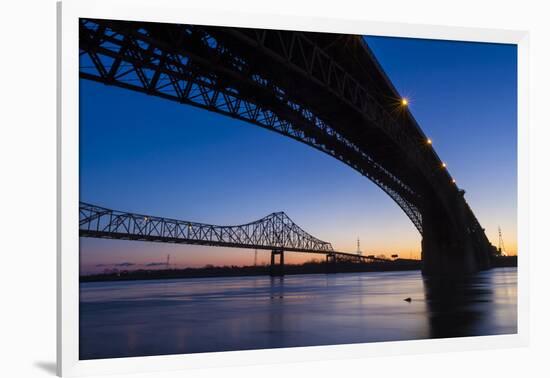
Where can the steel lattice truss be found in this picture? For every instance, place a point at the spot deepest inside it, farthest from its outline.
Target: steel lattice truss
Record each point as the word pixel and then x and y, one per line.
pixel 273 232
pixel 187 64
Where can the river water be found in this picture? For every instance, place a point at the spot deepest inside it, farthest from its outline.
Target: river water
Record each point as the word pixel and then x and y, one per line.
pixel 142 318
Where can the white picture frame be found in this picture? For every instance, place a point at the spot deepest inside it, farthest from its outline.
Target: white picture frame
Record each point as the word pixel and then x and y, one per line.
pixel 175 11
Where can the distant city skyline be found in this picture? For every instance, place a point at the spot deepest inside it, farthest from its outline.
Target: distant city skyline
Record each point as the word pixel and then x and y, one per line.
pixel 148 155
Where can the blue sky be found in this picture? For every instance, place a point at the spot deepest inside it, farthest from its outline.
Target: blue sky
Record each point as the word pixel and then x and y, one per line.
pixel 144 154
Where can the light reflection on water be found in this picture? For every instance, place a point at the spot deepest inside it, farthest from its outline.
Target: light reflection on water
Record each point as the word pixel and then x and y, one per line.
pixel 140 318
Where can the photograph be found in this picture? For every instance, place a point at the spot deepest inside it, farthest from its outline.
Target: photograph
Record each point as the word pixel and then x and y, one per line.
pixel 245 189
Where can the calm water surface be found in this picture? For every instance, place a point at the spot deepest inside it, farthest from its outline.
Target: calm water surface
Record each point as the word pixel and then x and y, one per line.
pixel 139 318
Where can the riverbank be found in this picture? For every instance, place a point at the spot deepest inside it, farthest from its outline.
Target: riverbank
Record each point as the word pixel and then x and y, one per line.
pixel 239 271
pixel 505 262
pixel 262 270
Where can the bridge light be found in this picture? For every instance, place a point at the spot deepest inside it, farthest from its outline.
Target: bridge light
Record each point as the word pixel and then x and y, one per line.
pixel 443 165
pixel 404 101
pixel 454 181
pixel 429 141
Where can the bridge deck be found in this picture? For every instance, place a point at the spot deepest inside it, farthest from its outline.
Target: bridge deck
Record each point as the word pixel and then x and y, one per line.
pixel 275 232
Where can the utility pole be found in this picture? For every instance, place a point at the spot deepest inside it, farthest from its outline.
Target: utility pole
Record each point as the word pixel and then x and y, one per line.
pixel 501 249
pixel 168 261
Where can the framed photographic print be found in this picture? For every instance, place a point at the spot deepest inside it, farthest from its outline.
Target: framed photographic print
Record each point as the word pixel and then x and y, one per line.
pixel 269 188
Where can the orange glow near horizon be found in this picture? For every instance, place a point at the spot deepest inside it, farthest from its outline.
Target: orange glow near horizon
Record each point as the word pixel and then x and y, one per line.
pixel 142 255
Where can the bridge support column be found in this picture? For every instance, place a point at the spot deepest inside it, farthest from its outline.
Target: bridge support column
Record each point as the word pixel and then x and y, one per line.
pixel 331 262
pixel 277 269
pixel 452 249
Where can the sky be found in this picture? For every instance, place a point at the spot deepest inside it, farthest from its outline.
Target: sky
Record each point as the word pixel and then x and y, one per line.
pixel 147 155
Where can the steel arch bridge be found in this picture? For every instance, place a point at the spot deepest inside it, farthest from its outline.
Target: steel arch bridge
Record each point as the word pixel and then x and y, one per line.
pixel 325 90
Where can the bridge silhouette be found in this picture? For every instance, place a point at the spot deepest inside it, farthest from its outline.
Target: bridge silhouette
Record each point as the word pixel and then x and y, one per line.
pixel 326 90
pixel 275 232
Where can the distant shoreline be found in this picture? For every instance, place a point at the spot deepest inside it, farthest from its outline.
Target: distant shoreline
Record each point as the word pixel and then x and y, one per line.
pixel 263 270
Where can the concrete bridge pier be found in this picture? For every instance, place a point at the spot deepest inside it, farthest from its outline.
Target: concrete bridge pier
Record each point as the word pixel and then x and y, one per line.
pixel 441 257
pixel 452 248
pixel 331 262
pixel 277 269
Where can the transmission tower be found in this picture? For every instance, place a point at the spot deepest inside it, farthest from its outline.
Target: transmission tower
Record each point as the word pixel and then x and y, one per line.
pixel 168 261
pixel 255 257
pixel 501 249
pixel 359 247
